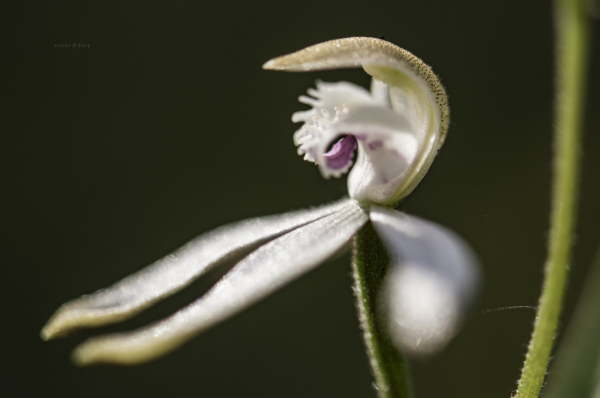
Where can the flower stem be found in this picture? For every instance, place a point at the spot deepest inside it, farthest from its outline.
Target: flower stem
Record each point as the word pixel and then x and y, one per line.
pixel 571 45
pixel 369 266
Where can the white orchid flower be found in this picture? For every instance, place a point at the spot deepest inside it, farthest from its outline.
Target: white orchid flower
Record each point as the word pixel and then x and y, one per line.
pixel 396 130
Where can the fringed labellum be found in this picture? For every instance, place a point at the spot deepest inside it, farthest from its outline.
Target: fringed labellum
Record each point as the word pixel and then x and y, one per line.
pixel 397 128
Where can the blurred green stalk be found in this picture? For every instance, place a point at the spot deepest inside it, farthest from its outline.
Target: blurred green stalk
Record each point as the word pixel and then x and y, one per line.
pixel 571 21
pixel 369 266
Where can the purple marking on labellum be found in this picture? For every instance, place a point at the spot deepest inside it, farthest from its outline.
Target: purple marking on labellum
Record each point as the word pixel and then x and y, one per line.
pixel 361 136
pixel 375 145
pixel 341 153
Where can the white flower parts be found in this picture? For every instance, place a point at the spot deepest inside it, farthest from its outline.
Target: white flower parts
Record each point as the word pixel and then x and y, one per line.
pixel 396 130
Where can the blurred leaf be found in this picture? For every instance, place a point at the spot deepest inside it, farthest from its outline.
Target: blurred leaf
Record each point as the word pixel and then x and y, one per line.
pixel 576 372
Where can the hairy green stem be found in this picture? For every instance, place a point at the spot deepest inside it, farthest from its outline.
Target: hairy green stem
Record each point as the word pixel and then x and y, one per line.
pixel 369 266
pixel 571 51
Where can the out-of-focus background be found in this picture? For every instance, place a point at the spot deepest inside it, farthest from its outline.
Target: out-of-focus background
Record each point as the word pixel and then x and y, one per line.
pixel 162 125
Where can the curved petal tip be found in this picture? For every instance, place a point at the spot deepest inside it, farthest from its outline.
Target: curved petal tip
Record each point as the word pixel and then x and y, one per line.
pixel 122 349
pixel 349 52
pixel 69 318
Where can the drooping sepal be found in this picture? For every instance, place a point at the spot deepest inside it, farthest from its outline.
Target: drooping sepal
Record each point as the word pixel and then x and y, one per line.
pixel 172 273
pixel 433 280
pixel 261 273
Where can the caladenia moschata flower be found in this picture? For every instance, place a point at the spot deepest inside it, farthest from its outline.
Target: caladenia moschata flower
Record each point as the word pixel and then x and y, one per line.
pixel 391 134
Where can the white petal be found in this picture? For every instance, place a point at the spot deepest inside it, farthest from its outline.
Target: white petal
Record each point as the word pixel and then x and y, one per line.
pixel 414 92
pixel 380 92
pixel 434 281
pixel 172 273
pixel 387 145
pixel 328 96
pixel 261 273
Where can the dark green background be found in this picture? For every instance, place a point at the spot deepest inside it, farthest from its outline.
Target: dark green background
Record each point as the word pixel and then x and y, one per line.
pixel 166 127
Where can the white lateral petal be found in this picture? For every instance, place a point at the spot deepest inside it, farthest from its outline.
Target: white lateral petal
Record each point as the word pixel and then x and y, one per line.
pixel 259 274
pixel 433 282
pixel 172 273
